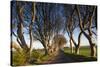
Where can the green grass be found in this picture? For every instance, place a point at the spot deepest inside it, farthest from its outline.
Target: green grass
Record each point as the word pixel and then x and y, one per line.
pixel 85 51
pixel 37 56
pixel 18 59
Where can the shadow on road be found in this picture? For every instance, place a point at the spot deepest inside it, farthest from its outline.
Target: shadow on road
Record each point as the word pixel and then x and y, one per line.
pixel 68 58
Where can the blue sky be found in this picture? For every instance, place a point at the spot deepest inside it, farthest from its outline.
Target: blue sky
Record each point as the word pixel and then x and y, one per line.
pixel 59 11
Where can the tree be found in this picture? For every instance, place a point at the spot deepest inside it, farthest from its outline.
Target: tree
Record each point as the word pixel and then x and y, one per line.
pixel 58 43
pixel 73 23
pixel 20 28
pixel 88 36
pixel 31 25
pixel 47 23
pixel 21 39
pixel 68 10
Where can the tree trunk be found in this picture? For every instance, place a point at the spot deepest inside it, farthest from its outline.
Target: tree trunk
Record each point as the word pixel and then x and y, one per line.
pixel 78 46
pixel 30 28
pixel 45 48
pixel 71 47
pixel 46 51
pixel 88 36
pixel 21 37
pixel 93 50
pixel 76 50
pixel 31 39
pixel 92 45
pixel 21 42
pixel 73 40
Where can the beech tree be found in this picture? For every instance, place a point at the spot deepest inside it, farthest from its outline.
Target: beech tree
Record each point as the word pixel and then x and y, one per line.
pixel 47 23
pixel 73 23
pixel 22 22
pixel 89 22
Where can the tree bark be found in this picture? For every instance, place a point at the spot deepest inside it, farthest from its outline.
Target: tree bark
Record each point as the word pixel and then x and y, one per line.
pixel 45 47
pixel 93 50
pixel 71 47
pixel 31 24
pixel 20 28
pixel 21 37
pixel 31 39
pixel 89 37
pixel 78 46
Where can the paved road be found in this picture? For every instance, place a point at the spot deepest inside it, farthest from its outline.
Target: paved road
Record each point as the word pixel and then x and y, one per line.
pixel 67 58
pixel 60 58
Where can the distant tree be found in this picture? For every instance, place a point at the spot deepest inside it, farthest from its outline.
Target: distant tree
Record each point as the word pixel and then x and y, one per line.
pixel 58 43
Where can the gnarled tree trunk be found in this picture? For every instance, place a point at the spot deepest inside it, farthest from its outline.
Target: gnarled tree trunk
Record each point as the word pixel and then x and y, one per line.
pixel 88 36
pixel 78 46
pixel 71 46
pixel 45 47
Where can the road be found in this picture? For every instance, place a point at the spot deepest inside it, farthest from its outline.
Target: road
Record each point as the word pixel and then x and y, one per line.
pixel 67 58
